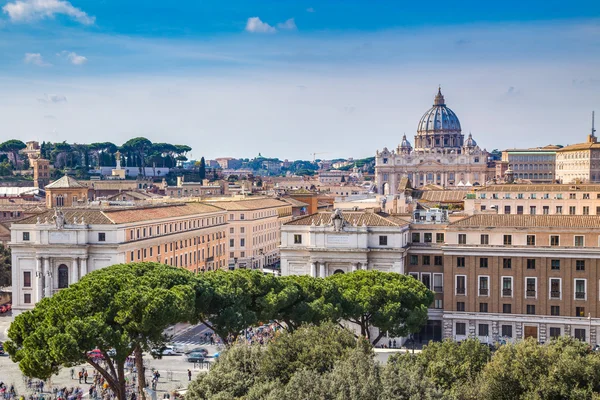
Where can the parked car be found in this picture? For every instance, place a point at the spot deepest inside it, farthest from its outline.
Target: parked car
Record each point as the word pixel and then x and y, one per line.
pixel 95 354
pixel 1 349
pixel 195 357
pixel 198 350
pixel 165 351
pixel 5 307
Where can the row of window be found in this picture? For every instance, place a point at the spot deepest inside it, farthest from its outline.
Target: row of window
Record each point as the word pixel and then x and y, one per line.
pixel 507 240
pixel 585 210
pixel 533 196
pixel 507 263
pixel 163 229
pixel 531 289
pixel 427 237
pixel 460 329
pixel 426 260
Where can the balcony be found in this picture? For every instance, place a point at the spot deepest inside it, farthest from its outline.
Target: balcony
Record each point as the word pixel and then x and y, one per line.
pixel 580 295
pixel 460 290
pixel 555 294
pixel 507 292
pixel 530 293
pixel 438 289
pixel 483 292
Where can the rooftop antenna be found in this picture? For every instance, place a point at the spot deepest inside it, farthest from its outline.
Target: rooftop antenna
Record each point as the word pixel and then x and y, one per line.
pixel 593 129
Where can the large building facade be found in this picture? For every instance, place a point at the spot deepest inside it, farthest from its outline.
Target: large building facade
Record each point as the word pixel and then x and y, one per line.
pixel 496 277
pixel 54 249
pixel 441 155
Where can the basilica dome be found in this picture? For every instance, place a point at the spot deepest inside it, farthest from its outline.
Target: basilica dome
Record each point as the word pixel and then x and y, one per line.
pixel 439 128
pixel 439 118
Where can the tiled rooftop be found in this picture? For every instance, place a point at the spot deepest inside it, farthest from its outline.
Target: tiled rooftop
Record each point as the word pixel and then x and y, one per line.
pixel 356 218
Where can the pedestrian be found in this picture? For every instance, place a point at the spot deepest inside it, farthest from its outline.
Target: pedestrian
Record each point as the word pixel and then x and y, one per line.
pixel 80 375
pixel 394 343
pixel 72 373
pixel 189 375
pixel 85 375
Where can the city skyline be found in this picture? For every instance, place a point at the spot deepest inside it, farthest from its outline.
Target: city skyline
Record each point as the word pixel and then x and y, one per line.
pixel 289 80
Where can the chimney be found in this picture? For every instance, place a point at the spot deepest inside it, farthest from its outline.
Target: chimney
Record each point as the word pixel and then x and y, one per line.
pixel 180 181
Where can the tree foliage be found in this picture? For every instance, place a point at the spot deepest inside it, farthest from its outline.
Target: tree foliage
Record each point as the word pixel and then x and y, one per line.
pixel 393 303
pixel 125 307
pixel 5 266
pixel 13 146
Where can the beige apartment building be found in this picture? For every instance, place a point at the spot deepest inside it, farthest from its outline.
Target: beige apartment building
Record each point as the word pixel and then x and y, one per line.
pixel 54 249
pixel 536 165
pixel 253 230
pixel 579 163
pixel 534 200
pixel 509 277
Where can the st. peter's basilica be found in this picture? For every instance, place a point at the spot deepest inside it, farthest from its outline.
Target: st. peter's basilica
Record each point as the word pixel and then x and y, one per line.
pixel 441 155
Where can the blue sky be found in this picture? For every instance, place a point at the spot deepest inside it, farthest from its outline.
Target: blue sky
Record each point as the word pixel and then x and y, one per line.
pixel 286 78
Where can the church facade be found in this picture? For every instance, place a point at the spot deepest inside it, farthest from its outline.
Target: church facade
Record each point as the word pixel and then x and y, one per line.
pixel 441 155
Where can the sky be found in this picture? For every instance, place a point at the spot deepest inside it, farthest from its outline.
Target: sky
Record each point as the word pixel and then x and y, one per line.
pixel 290 78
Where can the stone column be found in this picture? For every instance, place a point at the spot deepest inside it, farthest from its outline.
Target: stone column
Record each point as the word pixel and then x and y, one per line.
pixel 47 278
pixel 472 328
pixel 447 334
pixel 593 335
pixel 83 267
pixel 74 270
pixel 568 330
pixel 518 331
pixel 39 279
pixel 495 332
pixel 322 273
pixel 542 333
pixel 313 269
pixel 354 267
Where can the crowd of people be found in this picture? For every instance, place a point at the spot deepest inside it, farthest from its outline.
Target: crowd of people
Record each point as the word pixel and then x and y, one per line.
pixel 261 334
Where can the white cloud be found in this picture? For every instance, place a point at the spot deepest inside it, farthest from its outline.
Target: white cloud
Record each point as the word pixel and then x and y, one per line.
pixel 35 59
pixel 310 10
pixel 289 25
pixel 52 98
pixel 73 57
pixel 32 10
pixel 255 25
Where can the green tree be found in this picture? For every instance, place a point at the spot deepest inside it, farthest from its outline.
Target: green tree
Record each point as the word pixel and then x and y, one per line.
pixel 141 147
pixel 231 301
pixel 393 303
pixel 298 300
pixel 5 266
pixel 5 168
pixel 451 365
pixel 356 377
pixel 561 369
pixel 13 147
pixel 125 307
pixel 316 348
pixel 403 378
pixel 202 168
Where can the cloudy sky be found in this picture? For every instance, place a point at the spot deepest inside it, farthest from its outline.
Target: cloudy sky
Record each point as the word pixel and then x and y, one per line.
pixel 288 78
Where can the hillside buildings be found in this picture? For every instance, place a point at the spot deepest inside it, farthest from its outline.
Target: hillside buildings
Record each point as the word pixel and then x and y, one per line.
pixel 579 163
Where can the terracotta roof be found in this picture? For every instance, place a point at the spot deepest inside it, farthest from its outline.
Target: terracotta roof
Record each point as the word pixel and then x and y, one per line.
pixel 540 188
pixel 94 217
pixel 529 221
pixel 580 146
pixel 248 204
pixel 139 214
pixel 66 182
pixel 355 218
pixel 126 215
pixel 135 195
pixel 442 196
pixel 294 202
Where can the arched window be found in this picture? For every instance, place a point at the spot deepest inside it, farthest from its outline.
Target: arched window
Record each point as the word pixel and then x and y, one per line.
pixel 63 276
pixel 60 200
pixel 338 271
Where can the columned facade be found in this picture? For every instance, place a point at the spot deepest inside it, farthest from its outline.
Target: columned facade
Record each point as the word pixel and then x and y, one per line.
pixel 441 156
